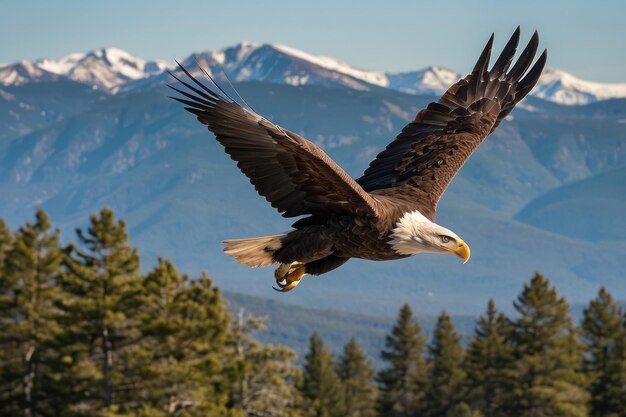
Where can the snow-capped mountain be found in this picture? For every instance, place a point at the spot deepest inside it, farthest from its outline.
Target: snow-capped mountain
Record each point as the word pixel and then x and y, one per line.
pixel 114 70
pixel 431 80
pixel 106 69
pixel 24 72
pixel 281 64
pixel 562 87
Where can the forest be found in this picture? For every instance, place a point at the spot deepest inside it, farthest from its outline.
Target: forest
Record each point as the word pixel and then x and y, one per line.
pixel 83 332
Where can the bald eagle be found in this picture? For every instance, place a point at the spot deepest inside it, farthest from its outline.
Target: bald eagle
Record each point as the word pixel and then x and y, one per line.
pixel 389 212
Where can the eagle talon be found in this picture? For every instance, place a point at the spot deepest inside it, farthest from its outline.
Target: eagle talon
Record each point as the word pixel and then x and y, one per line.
pixel 288 276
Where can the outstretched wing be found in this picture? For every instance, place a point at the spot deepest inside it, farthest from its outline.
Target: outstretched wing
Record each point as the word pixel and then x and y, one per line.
pixel 430 150
pixel 293 174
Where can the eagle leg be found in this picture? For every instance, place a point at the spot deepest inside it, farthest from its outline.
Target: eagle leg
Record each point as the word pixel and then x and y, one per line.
pixel 288 276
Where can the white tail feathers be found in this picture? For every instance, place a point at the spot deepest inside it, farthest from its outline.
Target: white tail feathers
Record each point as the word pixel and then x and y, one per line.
pixel 255 251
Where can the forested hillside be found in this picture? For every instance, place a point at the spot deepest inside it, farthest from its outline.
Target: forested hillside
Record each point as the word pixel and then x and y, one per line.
pixel 84 333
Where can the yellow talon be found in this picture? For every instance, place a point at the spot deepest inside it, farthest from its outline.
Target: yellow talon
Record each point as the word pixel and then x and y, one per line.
pixel 287 278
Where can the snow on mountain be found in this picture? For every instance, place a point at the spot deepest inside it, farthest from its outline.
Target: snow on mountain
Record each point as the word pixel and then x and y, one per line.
pixel 372 77
pixel 106 69
pixel 61 66
pixel 276 63
pixel 564 88
pixel 281 64
pixel 113 70
pixel 24 72
pixel 431 80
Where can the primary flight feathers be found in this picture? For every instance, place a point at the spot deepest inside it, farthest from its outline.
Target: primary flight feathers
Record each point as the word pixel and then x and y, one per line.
pixel 432 148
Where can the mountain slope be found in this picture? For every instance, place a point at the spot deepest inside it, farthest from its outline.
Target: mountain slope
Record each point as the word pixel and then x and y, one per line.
pixel 30 107
pixel 292 325
pixel 591 209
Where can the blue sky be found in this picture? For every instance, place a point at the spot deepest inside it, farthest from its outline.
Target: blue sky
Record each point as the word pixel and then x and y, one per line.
pixel 583 37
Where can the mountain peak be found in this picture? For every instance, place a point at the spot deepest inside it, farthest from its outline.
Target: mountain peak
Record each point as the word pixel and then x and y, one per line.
pixel 565 88
pixel 62 65
pixel 112 54
pixel 24 72
pixel 112 69
pixel 103 68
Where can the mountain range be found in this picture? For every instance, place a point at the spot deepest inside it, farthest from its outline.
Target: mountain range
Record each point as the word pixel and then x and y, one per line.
pixel 114 70
pixel 523 201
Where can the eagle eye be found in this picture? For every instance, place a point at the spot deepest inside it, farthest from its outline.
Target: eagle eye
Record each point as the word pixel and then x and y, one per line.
pixel 445 239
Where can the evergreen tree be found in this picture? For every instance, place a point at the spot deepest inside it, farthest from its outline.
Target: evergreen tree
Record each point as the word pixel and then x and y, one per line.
pixel 6 242
pixel 446 376
pixel 356 374
pixel 490 365
pixel 622 380
pixel 603 335
pixel 402 382
pixel 261 374
pixel 179 362
pixel 6 288
pixel 549 355
pixel 321 388
pixel 28 324
pixel 101 308
pixel 464 410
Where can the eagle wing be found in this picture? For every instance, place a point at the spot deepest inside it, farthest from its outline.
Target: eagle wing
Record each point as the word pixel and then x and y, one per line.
pixel 422 160
pixel 294 175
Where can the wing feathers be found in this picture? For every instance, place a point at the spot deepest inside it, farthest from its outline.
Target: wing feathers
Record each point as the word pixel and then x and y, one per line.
pixel 431 149
pixel 506 57
pixel 293 174
pixel 483 60
pixel 191 96
pixel 212 96
pixel 202 86
pixel 528 82
pixel 525 59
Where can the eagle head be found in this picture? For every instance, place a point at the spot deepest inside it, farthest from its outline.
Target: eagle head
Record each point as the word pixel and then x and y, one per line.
pixel 415 234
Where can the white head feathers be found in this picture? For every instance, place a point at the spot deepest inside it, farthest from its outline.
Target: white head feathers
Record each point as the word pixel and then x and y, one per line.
pixel 414 234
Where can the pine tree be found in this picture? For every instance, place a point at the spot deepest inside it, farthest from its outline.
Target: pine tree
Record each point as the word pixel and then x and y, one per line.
pixel 446 376
pixel 261 374
pixel 6 289
pixel 402 382
pixel 6 242
pixel 356 374
pixel 464 410
pixel 490 365
pixel 321 388
pixel 177 366
pixel 28 324
pixel 549 355
pixel 103 290
pixel 622 379
pixel 603 335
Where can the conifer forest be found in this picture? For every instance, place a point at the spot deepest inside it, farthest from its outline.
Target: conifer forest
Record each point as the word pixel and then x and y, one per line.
pixel 83 332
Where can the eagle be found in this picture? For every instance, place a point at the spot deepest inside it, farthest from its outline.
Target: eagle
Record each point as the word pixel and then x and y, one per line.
pixel 389 212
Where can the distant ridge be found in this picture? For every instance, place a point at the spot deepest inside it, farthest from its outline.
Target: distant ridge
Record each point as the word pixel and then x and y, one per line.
pixel 114 70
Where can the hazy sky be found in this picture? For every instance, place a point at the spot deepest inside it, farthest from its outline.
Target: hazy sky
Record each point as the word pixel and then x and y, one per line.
pixel 584 37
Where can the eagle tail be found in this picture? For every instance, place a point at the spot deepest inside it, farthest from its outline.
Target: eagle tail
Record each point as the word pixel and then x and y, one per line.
pixel 255 251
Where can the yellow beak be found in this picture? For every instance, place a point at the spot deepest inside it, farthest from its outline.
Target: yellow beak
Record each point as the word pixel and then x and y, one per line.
pixel 462 251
